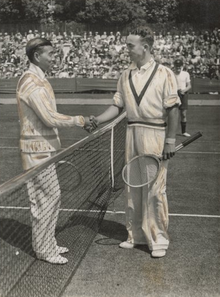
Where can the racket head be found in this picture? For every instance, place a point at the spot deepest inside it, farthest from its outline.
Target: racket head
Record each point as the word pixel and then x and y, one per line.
pixel 141 170
pixel 69 176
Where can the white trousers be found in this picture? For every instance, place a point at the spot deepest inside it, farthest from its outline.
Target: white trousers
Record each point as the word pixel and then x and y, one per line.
pixel 146 208
pixel 44 196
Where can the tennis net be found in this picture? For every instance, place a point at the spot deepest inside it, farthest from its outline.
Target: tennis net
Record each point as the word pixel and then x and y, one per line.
pixel 87 178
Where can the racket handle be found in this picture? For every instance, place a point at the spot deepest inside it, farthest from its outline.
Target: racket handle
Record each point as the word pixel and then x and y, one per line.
pixel 188 141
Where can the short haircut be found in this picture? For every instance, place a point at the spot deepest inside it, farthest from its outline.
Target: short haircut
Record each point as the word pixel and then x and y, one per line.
pixel 145 33
pixel 178 63
pixel 34 45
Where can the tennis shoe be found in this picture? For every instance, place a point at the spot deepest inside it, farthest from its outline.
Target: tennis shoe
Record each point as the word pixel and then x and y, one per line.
pixel 158 253
pixel 62 250
pixel 54 259
pixel 127 245
pixel 186 134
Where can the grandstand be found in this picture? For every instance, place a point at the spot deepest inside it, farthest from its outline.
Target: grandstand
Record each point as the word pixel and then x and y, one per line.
pixel 101 55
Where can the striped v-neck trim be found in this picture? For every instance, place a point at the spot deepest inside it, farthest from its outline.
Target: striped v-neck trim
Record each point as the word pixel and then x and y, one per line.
pixel 140 97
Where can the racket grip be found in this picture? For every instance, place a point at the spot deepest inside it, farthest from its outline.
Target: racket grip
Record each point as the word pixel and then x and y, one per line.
pixel 188 141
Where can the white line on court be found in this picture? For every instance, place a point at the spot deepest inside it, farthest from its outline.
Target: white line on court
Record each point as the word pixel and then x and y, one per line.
pixel 207 153
pixel 174 214
pixel 9 147
pixel 114 212
pixel 203 102
pixel 14 207
pixel 193 215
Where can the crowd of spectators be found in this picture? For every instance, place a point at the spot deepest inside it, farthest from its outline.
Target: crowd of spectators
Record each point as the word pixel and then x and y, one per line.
pixel 105 55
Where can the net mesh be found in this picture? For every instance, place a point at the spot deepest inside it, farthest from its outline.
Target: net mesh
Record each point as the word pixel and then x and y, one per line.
pixel 81 182
pixel 141 171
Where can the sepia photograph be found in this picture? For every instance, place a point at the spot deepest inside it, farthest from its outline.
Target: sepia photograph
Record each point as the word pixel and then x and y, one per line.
pixel 109 148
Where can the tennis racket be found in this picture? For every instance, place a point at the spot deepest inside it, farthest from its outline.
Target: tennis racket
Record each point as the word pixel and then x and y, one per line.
pixel 69 176
pixel 144 169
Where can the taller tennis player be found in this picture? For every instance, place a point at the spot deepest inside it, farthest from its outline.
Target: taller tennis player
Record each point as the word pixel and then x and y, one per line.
pixel 148 92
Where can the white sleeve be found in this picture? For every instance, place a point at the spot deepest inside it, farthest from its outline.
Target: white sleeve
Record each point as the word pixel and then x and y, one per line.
pixel 41 105
pixel 170 96
pixel 187 77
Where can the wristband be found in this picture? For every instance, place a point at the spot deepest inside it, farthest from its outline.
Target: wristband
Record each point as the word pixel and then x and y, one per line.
pixel 170 140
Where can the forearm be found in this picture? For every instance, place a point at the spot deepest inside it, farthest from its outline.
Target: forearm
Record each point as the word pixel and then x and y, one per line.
pixel 187 88
pixel 56 120
pixel 173 119
pixel 169 146
pixel 108 114
pixel 50 117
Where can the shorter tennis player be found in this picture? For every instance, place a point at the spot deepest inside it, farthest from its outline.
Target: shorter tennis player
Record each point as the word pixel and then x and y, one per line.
pixel 39 140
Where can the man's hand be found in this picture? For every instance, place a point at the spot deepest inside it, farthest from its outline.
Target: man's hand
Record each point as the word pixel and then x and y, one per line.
pixel 182 92
pixel 90 124
pixel 169 151
pixel 94 121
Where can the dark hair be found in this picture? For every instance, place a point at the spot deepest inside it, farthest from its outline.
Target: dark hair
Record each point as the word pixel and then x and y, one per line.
pixel 146 34
pixel 178 62
pixel 34 45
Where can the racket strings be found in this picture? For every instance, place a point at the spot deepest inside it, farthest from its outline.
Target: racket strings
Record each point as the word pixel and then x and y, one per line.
pixel 68 167
pixel 141 171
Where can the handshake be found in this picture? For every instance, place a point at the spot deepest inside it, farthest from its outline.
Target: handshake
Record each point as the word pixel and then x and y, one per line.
pixel 91 123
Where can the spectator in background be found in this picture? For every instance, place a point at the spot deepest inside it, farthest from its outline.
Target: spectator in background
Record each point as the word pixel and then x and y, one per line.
pixel 66 48
pixel 30 35
pixel 1 42
pixel 6 38
pixel 118 37
pixel 111 37
pixel 104 36
pixel 36 33
pixel 97 37
pixel 18 38
pixel 59 37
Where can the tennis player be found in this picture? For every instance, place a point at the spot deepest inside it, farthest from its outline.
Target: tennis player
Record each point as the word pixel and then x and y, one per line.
pixel 148 92
pixel 39 140
pixel 183 85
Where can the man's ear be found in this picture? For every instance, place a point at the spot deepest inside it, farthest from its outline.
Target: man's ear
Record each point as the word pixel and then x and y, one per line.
pixel 36 56
pixel 146 47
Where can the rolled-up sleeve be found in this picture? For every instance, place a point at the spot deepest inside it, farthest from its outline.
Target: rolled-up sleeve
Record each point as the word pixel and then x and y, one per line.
pixel 118 97
pixel 41 105
pixel 170 96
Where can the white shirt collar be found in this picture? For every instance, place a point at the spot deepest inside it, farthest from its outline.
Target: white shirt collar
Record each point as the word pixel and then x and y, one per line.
pixel 34 68
pixel 133 65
